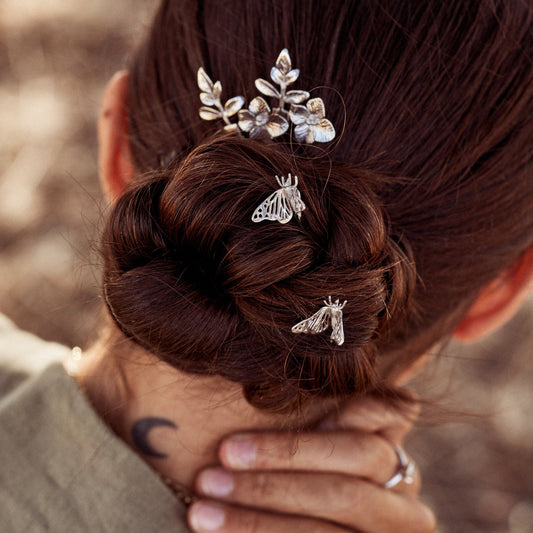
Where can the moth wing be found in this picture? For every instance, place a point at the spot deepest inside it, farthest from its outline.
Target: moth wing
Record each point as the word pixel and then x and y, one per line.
pixel 275 207
pixel 314 324
pixel 337 329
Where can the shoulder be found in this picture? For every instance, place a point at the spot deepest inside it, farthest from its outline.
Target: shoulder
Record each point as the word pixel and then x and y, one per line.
pixel 62 468
pixel 23 355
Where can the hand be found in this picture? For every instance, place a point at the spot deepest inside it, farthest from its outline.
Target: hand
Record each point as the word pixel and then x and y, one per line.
pixel 325 481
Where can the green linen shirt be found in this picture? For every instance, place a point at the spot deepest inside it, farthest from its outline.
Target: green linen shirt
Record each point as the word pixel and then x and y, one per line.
pixel 62 469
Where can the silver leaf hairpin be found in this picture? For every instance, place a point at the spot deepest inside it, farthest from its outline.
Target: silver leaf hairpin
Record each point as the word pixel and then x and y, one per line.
pixel 259 120
pixel 281 204
pixel 328 315
pixel 210 96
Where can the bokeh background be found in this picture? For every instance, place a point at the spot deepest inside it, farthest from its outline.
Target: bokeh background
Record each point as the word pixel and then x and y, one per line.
pixel 475 445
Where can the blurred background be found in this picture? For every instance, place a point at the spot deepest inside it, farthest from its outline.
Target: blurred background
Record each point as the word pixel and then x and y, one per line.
pixel 475 445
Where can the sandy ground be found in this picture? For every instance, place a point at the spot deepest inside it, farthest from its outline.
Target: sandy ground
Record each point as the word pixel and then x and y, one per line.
pixel 54 59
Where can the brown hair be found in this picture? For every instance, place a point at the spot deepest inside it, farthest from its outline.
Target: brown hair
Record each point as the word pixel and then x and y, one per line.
pixel 425 196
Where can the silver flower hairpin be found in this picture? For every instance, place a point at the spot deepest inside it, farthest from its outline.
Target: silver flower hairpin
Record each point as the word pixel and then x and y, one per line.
pixel 281 204
pixel 259 120
pixel 328 315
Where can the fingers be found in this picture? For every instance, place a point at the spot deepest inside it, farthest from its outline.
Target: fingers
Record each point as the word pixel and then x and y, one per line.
pixel 207 516
pixel 351 503
pixel 371 415
pixel 326 480
pixel 352 453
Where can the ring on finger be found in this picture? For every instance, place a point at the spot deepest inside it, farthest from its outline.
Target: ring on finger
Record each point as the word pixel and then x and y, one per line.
pixel 405 472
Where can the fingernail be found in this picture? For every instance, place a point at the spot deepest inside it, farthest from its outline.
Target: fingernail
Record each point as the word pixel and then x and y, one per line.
pixel 216 482
pixel 206 516
pixel 240 452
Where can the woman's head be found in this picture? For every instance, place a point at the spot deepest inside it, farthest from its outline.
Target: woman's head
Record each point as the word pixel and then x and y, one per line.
pixel 421 200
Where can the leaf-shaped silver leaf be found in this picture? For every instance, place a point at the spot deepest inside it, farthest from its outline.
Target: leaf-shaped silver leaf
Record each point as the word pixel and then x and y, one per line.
pixel 277 76
pixel 324 131
pixel 277 125
pixel 292 76
pixel 284 61
pixel 265 87
pixel 296 97
pixel 217 90
pixel 298 114
pixel 204 81
pixel 207 113
pixel 207 99
pixel 316 107
pixel 231 128
pixel 233 105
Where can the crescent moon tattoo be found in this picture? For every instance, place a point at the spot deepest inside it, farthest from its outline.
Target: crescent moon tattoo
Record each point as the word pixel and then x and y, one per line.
pixel 139 434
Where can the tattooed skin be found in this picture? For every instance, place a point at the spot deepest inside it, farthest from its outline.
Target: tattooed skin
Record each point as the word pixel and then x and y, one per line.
pixel 139 434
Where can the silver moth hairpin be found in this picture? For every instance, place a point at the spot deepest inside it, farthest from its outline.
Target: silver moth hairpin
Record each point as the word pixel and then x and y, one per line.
pixel 259 120
pixel 281 204
pixel 328 315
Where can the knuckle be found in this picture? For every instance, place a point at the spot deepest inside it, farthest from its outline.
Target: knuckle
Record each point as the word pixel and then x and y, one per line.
pixel 425 521
pixel 402 422
pixel 325 446
pixel 402 418
pixel 405 423
pixel 254 523
pixel 242 521
pixel 359 443
pixel 383 457
pixel 262 487
pixel 277 449
pixel 410 416
pixel 348 499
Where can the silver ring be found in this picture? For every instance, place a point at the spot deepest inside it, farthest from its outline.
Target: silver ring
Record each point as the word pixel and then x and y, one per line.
pixel 406 470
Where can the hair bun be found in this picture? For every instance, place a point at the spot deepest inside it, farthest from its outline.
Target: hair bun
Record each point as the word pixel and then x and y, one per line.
pixel 190 277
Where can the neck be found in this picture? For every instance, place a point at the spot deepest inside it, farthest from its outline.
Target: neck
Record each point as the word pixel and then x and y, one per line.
pixel 173 420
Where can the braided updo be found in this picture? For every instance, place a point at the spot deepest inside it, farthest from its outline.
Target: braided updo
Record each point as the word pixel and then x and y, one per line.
pixel 228 290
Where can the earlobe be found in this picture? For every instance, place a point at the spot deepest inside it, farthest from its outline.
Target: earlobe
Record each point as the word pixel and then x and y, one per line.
pixel 498 301
pixel 114 159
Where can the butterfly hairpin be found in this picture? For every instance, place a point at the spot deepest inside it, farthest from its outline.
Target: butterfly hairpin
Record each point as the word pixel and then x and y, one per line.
pixel 328 315
pixel 281 204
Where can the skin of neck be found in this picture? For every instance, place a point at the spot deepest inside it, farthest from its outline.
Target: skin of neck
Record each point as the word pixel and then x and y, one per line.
pixel 173 420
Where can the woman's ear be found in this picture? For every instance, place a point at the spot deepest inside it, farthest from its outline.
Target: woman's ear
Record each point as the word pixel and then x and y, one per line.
pixel 498 301
pixel 114 158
